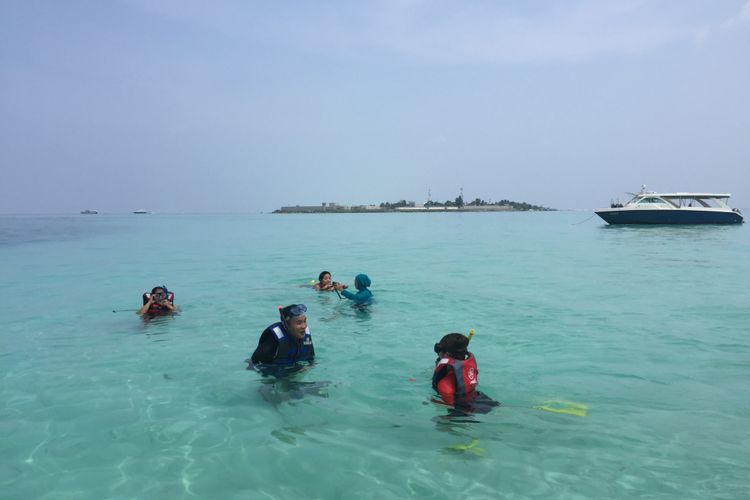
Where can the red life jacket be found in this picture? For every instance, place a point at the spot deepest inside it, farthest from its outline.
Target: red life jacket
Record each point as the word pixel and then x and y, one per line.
pixel 456 379
pixel 156 309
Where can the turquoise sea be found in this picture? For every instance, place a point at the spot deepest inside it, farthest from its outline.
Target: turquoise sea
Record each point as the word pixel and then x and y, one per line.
pixel 649 327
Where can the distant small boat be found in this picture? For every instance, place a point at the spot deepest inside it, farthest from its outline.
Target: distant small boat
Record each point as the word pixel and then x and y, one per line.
pixel 650 207
pixel 89 212
pixel 141 211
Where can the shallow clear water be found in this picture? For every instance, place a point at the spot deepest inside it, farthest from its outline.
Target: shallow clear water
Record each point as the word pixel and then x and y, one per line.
pixel 647 326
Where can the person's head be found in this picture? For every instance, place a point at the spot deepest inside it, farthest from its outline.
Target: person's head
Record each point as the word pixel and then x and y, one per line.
pixel 294 319
pixel 159 293
pixel 453 345
pixel 324 278
pixel 361 281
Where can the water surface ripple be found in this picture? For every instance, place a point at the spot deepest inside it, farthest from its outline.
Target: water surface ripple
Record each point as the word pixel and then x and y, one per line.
pixel 647 326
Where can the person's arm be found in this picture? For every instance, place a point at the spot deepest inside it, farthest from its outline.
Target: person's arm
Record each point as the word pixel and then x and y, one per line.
pixel 143 310
pixel 266 350
pixel 166 304
pixel 360 296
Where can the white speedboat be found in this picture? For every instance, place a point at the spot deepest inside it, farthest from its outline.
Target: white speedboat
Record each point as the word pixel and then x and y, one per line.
pixel 650 207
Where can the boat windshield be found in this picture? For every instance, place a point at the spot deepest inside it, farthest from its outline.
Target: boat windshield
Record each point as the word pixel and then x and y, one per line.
pixel 653 200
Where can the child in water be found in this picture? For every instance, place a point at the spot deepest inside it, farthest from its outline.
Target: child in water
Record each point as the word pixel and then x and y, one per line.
pixel 324 283
pixel 456 376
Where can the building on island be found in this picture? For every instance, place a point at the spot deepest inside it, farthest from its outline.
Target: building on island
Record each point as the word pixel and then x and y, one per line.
pixel 323 207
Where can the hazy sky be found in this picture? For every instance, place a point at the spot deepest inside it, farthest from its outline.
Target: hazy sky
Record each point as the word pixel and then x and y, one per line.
pixel 244 106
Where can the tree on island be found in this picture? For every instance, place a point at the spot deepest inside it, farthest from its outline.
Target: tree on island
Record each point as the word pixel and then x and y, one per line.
pixel 458 202
pixel 478 202
pixel 398 204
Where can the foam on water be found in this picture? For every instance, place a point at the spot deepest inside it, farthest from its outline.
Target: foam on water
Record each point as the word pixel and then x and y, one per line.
pixel 646 326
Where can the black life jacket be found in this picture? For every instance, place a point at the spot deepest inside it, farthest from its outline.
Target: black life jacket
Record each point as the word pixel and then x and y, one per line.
pixel 289 350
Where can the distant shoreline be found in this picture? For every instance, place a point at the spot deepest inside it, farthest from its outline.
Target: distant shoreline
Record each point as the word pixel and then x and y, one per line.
pixel 367 210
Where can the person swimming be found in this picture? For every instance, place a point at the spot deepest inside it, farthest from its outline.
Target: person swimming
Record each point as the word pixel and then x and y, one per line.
pixel 363 295
pixel 456 376
pixel 159 302
pixel 285 346
pixel 325 284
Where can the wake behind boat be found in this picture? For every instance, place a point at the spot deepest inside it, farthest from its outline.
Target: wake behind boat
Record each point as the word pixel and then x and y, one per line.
pixel 650 207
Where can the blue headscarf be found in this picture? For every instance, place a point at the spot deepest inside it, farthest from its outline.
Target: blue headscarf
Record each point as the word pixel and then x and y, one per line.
pixel 362 281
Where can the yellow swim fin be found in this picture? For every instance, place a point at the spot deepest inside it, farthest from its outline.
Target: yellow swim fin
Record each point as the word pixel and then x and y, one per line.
pixel 471 447
pixel 564 407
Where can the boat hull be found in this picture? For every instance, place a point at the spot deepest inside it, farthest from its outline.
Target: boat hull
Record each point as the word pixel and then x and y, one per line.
pixel 661 216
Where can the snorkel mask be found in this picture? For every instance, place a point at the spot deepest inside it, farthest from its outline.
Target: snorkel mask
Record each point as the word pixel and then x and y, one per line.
pixel 292 311
pixel 159 296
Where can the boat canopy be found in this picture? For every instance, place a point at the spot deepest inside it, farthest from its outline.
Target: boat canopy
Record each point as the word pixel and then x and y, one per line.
pixel 679 200
pixel 692 195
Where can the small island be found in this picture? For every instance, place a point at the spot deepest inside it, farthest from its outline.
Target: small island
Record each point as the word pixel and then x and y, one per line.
pixel 457 205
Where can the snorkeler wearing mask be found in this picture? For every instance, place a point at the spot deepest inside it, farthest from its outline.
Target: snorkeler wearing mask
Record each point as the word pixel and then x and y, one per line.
pixel 286 342
pixel 158 303
pixel 456 376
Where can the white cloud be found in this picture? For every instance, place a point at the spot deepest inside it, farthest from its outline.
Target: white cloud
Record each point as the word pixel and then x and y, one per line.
pixel 742 16
pixel 745 12
pixel 453 31
pixel 488 32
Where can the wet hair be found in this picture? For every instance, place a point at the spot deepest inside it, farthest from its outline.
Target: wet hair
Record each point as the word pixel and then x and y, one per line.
pixel 454 344
pixel 320 276
pixel 153 290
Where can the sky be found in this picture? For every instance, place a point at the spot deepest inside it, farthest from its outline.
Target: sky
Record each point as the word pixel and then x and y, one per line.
pixel 244 106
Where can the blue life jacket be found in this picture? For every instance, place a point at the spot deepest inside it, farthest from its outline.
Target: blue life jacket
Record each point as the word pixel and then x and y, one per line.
pixel 289 350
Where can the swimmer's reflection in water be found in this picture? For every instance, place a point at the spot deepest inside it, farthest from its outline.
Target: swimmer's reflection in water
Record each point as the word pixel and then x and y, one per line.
pixel 281 384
